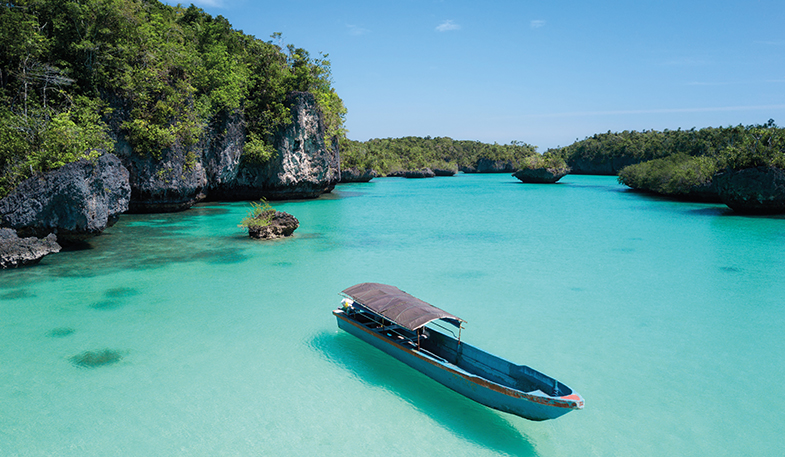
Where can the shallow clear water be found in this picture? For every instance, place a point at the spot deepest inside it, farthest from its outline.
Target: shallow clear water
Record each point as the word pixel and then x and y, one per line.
pixel 667 317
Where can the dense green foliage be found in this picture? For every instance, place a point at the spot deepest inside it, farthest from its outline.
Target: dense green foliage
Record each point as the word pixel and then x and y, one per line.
pixel 260 215
pixel 649 144
pixel 678 174
pixel 682 170
pixel 69 68
pixel 537 161
pixel 412 153
pixel 680 162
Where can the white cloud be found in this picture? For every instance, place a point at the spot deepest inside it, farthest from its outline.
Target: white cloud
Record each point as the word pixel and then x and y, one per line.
pixel 356 30
pixel 537 23
pixel 447 25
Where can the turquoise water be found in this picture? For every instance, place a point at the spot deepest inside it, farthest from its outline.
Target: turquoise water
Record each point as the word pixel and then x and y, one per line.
pixel 667 317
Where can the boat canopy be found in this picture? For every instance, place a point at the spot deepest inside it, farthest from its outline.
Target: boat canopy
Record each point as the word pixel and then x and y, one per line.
pixel 398 306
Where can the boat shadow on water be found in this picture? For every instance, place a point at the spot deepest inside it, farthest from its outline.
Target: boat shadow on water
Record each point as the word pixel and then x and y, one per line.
pixel 462 417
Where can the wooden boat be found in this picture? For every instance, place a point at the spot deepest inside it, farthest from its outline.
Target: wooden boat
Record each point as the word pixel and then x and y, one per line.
pixel 395 322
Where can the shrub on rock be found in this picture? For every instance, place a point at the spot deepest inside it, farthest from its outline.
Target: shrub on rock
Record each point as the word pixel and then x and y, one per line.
pixel 264 222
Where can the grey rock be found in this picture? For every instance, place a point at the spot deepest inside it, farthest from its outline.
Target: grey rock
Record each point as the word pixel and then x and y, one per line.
pixel 75 201
pixel 223 147
pixel 173 182
pixel 182 175
pixel 302 168
pixel 485 165
pixel 281 225
pixel 445 171
pixel 541 175
pixel 177 177
pixel 759 190
pixel 354 174
pixel 421 173
pixel 17 252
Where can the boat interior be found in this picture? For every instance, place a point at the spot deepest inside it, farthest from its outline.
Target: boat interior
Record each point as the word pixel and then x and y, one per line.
pixel 449 349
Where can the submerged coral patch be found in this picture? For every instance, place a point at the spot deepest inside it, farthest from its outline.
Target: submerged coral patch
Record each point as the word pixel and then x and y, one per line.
pixel 93 359
pixel 60 332
pixel 119 292
pixel 16 294
pixel 106 304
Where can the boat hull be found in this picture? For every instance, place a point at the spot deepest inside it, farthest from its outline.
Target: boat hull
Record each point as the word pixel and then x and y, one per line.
pixel 529 405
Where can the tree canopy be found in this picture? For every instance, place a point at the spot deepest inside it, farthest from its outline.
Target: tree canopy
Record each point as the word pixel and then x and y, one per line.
pixel 411 153
pixel 66 65
pixel 677 162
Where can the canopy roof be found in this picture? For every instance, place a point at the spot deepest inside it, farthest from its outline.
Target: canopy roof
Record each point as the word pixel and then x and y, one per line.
pixel 398 306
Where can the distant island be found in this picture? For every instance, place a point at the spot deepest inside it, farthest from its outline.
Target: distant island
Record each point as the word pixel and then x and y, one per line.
pixel 442 155
pixel 741 166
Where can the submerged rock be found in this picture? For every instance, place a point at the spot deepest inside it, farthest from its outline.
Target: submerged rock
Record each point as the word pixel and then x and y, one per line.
pixel 16 252
pixel 60 332
pixel 93 359
pixel 281 225
pixel 759 190
pixel 541 175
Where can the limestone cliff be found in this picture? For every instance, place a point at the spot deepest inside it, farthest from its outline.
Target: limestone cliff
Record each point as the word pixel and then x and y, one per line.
pixel 75 201
pixel 303 166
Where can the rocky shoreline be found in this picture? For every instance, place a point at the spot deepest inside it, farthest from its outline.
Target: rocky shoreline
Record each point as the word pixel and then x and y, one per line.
pixel 83 198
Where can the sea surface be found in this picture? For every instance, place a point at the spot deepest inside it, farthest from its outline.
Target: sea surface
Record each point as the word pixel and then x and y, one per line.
pixel 177 335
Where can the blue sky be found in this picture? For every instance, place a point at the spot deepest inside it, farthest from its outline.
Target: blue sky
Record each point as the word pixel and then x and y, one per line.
pixel 546 73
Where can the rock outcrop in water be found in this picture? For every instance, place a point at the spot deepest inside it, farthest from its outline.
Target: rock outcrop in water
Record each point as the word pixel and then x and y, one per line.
pixel 75 201
pixel 18 252
pixel 445 171
pixel 354 174
pixel 759 190
pixel 417 174
pixel 541 175
pixel 281 225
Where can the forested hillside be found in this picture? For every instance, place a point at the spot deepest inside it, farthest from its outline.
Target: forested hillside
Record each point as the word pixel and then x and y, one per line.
pixel 68 67
pixel 674 162
pixel 411 153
